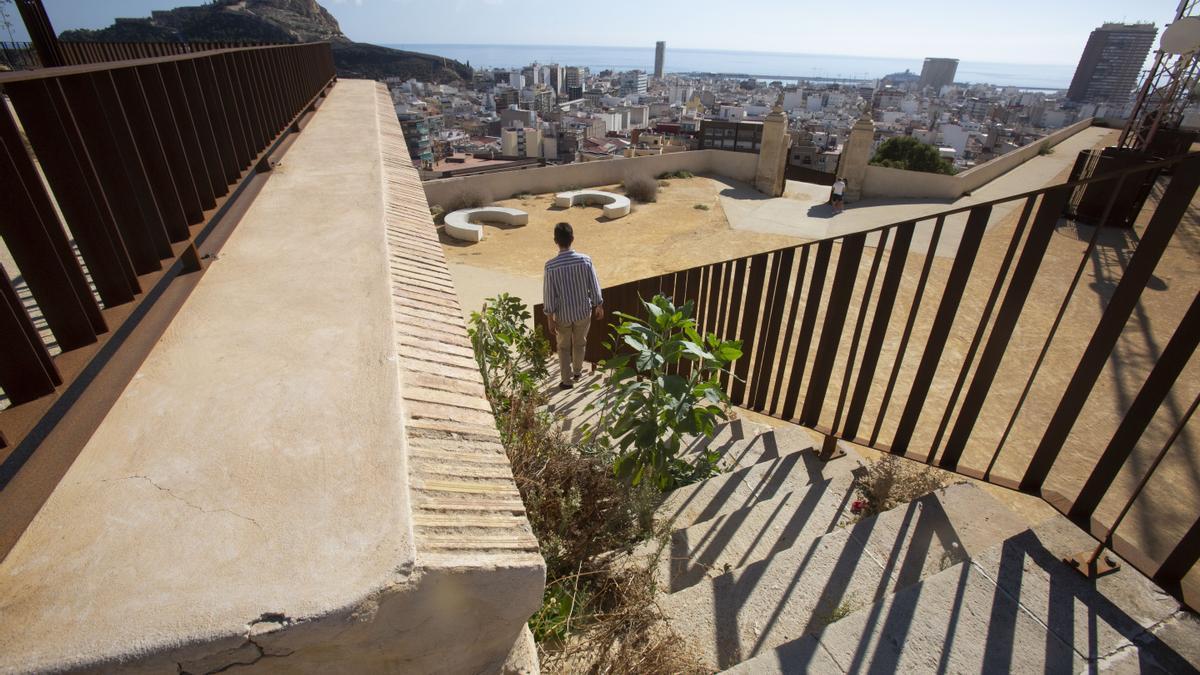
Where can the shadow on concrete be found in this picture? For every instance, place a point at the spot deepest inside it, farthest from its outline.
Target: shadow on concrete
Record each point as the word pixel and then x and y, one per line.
pixel 1019 606
pixel 447 240
pixel 821 211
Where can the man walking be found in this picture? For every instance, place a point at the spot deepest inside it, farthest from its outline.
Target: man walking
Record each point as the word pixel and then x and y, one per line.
pixel 571 297
pixel 839 194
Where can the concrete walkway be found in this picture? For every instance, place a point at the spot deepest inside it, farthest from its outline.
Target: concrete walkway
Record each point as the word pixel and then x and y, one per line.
pixel 287 477
pixel 803 212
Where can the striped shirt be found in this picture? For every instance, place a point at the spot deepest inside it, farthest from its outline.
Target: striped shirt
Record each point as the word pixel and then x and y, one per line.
pixel 570 287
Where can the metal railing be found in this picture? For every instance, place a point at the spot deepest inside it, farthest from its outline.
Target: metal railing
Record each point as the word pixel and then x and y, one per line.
pixel 863 339
pixel 19 56
pixel 81 53
pixel 148 162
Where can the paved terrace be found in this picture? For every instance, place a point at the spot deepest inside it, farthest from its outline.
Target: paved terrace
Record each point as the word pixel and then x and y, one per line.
pixel 304 473
pixel 803 212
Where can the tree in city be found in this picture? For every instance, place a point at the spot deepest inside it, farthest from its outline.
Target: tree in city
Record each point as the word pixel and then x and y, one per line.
pixel 906 152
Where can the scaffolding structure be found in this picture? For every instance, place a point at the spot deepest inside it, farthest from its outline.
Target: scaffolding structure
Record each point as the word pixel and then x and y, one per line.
pixel 1165 92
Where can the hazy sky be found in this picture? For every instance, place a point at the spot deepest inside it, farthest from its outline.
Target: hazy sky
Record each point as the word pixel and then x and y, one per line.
pixel 1008 31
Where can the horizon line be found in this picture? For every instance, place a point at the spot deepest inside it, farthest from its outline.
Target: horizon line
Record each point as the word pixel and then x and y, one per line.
pixel 728 51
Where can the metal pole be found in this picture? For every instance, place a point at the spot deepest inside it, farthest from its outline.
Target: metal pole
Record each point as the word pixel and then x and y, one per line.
pixel 41 33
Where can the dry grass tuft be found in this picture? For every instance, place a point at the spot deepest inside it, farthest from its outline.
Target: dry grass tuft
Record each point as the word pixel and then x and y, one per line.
pixel 893 481
pixel 626 634
pixel 641 188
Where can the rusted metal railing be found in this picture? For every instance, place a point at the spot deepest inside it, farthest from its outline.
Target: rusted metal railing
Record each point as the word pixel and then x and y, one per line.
pixel 149 162
pixel 858 339
pixel 18 56
pixel 82 53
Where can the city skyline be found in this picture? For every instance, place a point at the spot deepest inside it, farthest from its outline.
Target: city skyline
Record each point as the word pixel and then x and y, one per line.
pixel 1056 37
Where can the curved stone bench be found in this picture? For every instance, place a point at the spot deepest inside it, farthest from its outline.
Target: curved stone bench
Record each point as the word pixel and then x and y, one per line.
pixel 464 223
pixel 615 205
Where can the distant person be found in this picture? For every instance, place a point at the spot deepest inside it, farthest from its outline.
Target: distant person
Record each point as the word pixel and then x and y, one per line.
pixel 838 198
pixel 571 297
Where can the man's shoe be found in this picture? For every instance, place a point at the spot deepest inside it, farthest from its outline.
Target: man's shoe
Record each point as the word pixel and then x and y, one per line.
pixel 577 376
pixel 565 385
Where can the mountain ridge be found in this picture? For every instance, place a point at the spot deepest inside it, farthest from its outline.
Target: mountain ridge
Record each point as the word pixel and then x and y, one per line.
pixel 276 21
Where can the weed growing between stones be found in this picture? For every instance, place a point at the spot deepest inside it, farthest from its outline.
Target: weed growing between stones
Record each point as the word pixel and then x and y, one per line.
pixel 597 614
pixel 893 481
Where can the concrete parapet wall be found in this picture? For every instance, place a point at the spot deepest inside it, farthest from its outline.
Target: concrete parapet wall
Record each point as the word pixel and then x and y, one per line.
pixel 887 182
pixel 503 184
pixel 304 475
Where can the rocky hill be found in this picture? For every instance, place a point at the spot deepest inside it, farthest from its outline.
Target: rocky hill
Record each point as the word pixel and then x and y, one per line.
pixel 287 21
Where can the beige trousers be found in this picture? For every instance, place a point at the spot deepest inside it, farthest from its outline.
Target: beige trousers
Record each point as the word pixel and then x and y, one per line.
pixel 572 340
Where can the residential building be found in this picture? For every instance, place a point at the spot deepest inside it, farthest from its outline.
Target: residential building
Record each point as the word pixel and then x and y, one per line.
pixel 660 52
pixel 727 135
pixel 521 142
pixel 518 117
pixel 574 77
pixel 557 80
pixel 937 73
pixel 1112 59
pixel 633 82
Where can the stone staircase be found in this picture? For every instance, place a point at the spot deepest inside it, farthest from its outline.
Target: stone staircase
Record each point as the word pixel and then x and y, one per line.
pixel 766 570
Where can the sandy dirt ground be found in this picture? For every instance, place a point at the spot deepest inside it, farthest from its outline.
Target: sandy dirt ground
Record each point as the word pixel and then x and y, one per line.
pixel 664 236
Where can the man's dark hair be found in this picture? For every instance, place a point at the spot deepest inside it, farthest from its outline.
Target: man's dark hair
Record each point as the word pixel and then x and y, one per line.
pixel 563 234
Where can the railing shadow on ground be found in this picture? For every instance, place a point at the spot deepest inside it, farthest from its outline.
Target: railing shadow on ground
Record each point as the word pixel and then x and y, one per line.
pixel 1013 607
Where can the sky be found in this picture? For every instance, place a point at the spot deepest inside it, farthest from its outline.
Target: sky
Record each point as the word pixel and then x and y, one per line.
pixel 1011 31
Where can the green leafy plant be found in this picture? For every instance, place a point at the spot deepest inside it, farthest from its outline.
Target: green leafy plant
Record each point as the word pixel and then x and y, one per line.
pixel 510 352
pixel 683 173
pixel 906 152
pixel 701 207
pixel 663 383
pixel 1045 149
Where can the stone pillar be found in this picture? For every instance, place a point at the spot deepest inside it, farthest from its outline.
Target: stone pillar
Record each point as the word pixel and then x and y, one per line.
pixel 855 156
pixel 772 156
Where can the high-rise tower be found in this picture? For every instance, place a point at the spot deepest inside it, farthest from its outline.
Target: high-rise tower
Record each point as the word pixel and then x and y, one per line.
pixel 938 73
pixel 1108 70
pixel 660 53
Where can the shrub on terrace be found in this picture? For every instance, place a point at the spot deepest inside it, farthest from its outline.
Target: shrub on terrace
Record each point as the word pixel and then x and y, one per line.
pixel 641 188
pixel 906 152
pixel 468 198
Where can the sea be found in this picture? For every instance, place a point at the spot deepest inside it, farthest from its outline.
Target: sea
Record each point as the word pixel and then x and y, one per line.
pixel 787 67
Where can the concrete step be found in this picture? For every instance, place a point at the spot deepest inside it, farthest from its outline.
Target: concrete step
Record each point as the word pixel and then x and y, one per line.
pixel 1015 607
pixel 755 608
pixel 738 538
pixel 736 490
pixel 739 443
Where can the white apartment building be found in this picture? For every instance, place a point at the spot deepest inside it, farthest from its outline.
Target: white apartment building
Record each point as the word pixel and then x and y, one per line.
pixel 521 142
pixel 634 82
